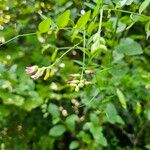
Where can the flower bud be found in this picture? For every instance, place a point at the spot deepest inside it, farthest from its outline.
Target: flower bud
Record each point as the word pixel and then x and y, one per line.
pixel 38 74
pixel 74 75
pixel 77 88
pixel 73 81
pixel 89 72
pixel 31 69
pixel 88 83
pixel 81 84
pixel 47 74
pixel 64 113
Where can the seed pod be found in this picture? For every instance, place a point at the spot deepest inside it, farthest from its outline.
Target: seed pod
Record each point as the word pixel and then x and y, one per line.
pixel 102 40
pixel 102 47
pixel 95 47
pixel 96 37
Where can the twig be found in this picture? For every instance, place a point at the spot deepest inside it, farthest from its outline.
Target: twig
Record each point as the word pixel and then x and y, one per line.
pixel 84 44
pixel 21 35
pixel 57 60
pixel 126 11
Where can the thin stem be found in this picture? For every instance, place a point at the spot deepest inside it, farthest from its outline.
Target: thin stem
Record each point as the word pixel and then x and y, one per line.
pixel 28 34
pixel 135 141
pixel 126 11
pixel 100 22
pixel 57 60
pixel 65 28
pixel 89 101
pixel 84 44
pixel 61 48
pixel 114 38
pixel 22 35
pixel 61 29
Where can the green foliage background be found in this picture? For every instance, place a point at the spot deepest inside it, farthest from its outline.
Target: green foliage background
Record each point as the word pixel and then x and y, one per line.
pixel 112 112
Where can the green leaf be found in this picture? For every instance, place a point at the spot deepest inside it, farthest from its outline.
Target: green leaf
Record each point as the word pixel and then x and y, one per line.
pixel 2 69
pixel 85 137
pixel 110 110
pixel 32 103
pixel 121 27
pixel 119 120
pixel 46 142
pixel 53 109
pixel 87 125
pixel 122 99
pixel 91 27
pixel 119 69
pixel 11 99
pixel 138 108
pixel 117 56
pixel 4 112
pixel 57 130
pixel 98 135
pixel 148 114
pixel 112 115
pixel 74 145
pixel 63 19
pixel 82 21
pixel 44 25
pixel 137 17
pixel 96 11
pixel 70 121
pixel 144 5
pixel 94 118
pixel 90 5
pixel 123 2
pixel 128 46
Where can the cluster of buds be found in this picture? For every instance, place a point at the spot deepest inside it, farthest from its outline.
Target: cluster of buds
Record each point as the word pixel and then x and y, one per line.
pixel 63 111
pixel 75 106
pixel 82 118
pixel 75 102
pixel 38 72
pixel 76 83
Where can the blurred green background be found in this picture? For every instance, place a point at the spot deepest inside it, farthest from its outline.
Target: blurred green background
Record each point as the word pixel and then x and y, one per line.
pixel 50 115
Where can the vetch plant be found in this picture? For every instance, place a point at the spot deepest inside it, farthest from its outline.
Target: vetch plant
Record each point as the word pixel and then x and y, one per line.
pixel 87 83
